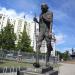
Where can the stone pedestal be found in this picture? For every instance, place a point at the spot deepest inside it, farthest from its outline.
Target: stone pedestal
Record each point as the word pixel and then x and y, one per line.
pixel 39 71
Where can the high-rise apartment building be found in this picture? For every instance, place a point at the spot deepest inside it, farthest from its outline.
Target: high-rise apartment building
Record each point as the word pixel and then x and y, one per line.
pixel 18 24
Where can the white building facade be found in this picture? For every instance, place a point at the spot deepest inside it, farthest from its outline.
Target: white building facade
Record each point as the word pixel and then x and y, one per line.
pixel 3 20
pixel 18 24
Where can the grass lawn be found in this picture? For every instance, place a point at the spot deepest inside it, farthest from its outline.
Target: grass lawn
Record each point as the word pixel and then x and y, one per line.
pixel 7 63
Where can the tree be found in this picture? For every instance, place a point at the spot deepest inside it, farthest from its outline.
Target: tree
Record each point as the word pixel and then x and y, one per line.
pixel 66 55
pixel 8 37
pixel 0 39
pixel 60 54
pixel 24 41
pixel 1 34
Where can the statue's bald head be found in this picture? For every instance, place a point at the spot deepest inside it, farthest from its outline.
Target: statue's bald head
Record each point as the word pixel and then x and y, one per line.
pixel 44 7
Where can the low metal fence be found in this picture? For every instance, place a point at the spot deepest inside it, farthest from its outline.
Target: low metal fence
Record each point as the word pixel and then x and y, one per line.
pixel 16 55
pixel 23 57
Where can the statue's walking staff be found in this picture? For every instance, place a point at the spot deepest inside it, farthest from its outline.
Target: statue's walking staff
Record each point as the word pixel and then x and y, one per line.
pixel 36 64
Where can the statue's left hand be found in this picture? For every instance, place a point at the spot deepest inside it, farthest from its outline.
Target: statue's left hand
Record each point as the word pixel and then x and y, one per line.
pixel 35 19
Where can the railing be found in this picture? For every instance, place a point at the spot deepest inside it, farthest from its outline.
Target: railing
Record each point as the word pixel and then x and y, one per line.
pixel 23 57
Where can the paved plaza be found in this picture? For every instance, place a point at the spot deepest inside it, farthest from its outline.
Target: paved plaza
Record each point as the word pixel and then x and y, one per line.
pixel 67 69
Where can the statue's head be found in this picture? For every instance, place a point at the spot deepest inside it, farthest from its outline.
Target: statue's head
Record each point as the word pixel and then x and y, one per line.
pixel 44 7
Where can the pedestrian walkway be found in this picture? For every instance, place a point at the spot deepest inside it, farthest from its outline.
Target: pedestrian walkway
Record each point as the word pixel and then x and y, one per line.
pixel 8 73
pixel 67 69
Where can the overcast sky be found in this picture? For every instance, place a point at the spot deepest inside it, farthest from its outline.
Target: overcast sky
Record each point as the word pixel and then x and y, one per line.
pixel 63 21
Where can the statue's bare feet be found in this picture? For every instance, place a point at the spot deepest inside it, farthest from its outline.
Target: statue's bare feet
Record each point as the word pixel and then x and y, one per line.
pixel 36 65
pixel 47 64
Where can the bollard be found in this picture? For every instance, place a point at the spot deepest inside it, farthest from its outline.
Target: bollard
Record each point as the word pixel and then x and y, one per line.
pixel 19 68
pixel 3 70
pixel 13 69
pixel 18 72
pixel 6 69
pixel 10 70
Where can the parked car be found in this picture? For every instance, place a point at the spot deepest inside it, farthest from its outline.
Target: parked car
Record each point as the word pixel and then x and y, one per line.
pixel 9 55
